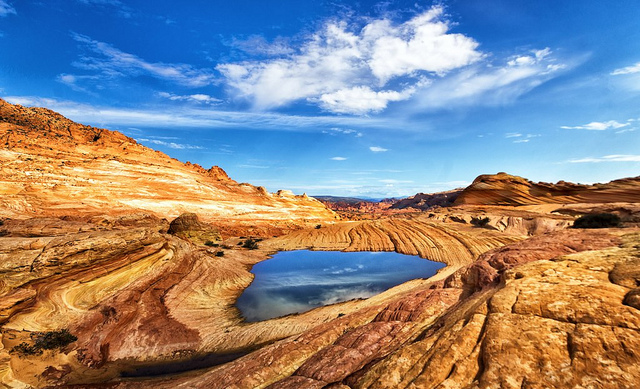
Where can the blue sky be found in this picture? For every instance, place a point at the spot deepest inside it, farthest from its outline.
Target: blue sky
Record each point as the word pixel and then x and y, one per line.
pixel 346 98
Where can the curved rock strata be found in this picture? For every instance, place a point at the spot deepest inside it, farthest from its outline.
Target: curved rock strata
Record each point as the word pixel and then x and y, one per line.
pixel 134 295
pixel 558 322
pixel 51 166
pixel 505 189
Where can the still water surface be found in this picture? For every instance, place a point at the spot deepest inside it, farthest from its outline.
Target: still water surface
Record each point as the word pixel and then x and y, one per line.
pixel 297 281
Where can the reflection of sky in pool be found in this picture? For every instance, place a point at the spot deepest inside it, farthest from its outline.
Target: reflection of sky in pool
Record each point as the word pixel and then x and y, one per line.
pixel 297 281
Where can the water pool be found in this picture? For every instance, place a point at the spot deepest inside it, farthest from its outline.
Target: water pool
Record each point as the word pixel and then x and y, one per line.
pixel 297 281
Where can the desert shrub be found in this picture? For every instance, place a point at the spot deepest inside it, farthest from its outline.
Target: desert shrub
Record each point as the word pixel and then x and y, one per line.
pixel 319 226
pixel 480 221
pixel 220 253
pixel 25 348
pixel 49 340
pixel 210 244
pixel 598 220
pixel 250 244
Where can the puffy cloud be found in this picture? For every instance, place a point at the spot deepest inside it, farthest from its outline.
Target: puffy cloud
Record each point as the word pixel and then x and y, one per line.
pixel 377 149
pixel 360 100
pixel 608 158
pixel 598 126
pixel 336 65
pixel 627 70
pixel 6 8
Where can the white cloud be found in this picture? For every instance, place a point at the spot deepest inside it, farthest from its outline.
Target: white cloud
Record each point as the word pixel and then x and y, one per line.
pixel 627 70
pixel 597 126
pixel 489 84
pixel 181 117
pixel 6 8
pixel 346 131
pixel 172 145
pixel 608 158
pixel 337 64
pixel 520 138
pixel 197 98
pixel 113 63
pixel 361 100
pixel 377 149
pixel 258 45
pixel 338 158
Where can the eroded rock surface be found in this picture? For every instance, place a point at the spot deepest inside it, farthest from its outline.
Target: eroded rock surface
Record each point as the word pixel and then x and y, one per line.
pixel 51 166
pixel 558 322
pixel 505 189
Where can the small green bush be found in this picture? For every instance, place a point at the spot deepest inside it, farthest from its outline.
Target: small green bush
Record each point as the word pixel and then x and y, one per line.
pixel 480 221
pixel 250 244
pixel 598 220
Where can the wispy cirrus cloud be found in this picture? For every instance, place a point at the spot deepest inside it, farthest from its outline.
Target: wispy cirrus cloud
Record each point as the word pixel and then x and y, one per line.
pixel 258 45
pixel 124 10
pixel 171 145
pixel 197 98
pixel 345 131
pixel 378 149
pixel 598 126
pixel 489 83
pixel 193 117
pixel 108 62
pixel 6 8
pixel 520 138
pixel 338 158
pixel 608 158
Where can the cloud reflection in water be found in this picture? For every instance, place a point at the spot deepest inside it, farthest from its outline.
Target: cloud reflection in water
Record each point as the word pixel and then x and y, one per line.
pixel 297 281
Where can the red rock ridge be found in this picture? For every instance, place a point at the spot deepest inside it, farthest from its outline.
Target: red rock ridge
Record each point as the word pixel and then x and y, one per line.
pixel 505 189
pixel 51 166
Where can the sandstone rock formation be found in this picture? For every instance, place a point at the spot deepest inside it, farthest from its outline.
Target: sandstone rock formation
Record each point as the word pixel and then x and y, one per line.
pixel 505 189
pixel 51 166
pixel 557 317
pixel 91 242
pixel 425 201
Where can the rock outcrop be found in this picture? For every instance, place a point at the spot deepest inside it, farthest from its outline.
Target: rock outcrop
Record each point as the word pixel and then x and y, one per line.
pixel 86 246
pixel 51 166
pixel 505 189
pixel 425 201
pixel 556 317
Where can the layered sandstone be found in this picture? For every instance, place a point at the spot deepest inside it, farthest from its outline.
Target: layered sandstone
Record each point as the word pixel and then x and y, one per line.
pixel 135 295
pixel 552 315
pixel 51 166
pixel 89 242
pixel 505 189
